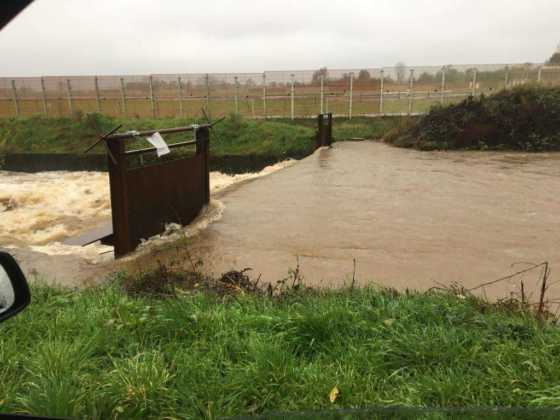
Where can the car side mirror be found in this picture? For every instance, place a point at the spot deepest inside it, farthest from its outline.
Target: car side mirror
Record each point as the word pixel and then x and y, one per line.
pixel 14 290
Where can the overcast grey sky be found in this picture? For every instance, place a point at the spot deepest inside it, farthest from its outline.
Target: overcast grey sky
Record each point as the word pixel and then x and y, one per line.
pixel 73 37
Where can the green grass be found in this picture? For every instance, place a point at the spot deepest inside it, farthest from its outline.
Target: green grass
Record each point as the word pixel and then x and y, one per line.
pixel 234 136
pixel 99 353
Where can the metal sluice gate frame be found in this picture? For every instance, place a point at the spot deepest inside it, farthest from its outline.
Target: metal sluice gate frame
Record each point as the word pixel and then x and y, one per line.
pixel 146 198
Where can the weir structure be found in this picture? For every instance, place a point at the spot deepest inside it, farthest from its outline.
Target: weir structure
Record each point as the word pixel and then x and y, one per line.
pixel 148 196
pixel 145 197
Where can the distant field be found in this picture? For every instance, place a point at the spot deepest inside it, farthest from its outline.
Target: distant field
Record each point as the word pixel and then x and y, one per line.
pixel 363 103
pixel 269 94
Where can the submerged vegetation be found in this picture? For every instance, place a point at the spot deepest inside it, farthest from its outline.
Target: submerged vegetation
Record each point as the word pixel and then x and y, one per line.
pixel 167 344
pixel 524 118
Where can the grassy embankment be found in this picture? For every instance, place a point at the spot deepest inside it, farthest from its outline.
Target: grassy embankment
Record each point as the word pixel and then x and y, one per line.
pixel 278 139
pixel 525 119
pixel 109 352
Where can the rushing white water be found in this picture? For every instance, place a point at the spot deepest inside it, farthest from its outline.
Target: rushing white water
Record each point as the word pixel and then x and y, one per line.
pixel 38 211
pixel 42 208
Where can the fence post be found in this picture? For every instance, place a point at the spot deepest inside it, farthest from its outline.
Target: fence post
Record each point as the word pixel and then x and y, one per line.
pixel 474 77
pixel 208 94
pixel 236 99
pixel 264 94
pixel 180 96
pixel 382 82
pixel 152 98
pixel 69 96
pixel 410 91
pixel 350 96
pixel 442 99
pixel 539 76
pixel 44 97
pixel 97 96
pixel 292 95
pixel 322 79
pixel 15 98
pixel 124 108
pixel 506 81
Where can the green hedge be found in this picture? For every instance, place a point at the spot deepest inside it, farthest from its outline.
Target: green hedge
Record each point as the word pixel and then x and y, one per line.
pixel 525 118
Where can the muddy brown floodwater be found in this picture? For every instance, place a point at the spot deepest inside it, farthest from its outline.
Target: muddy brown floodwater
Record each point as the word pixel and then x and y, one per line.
pixel 410 219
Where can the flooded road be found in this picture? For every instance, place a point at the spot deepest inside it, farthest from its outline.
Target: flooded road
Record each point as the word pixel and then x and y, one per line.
pixel 409 219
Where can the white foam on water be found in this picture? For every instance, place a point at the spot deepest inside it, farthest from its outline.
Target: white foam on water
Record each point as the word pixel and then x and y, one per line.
pixel 45 207
pixel 38 211
pixel 174 232
pixel 219 181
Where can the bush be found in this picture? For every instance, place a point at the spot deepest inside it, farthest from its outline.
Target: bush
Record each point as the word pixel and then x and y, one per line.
pixel 525 118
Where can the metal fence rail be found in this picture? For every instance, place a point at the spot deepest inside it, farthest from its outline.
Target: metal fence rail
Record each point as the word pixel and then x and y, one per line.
pixel 271 94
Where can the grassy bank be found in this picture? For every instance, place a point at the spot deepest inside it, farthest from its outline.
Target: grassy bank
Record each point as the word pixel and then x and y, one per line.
pixel 525 118
pixel 103 353
pixel 233 137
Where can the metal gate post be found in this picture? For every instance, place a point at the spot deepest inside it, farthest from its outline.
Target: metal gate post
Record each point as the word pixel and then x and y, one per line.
pixel 202 136
pixel 329 130
pixel 119 197
pixel 324 130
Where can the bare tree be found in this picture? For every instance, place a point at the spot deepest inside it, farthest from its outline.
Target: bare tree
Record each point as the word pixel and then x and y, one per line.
pixel 400 69
pixel 364 75
pixel 318 73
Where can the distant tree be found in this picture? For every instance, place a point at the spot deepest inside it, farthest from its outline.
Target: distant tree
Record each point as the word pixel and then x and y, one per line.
pixel 453 75
pixel 426 78
pixel 318 73
pixel 364 76
pixel 400 70
pixel 554 60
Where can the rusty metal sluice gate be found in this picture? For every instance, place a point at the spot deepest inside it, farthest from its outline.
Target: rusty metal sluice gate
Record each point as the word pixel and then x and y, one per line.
pixel 146 198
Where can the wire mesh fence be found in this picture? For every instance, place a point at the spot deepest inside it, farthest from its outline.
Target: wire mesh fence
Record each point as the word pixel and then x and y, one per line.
pixel 397 90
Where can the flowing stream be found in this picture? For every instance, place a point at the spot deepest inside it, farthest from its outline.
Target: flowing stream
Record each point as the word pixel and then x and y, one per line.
pixel 361 210
pixel 38 211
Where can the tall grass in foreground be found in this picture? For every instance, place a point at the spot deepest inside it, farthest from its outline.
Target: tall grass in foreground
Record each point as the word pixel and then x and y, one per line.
pixel 100 353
